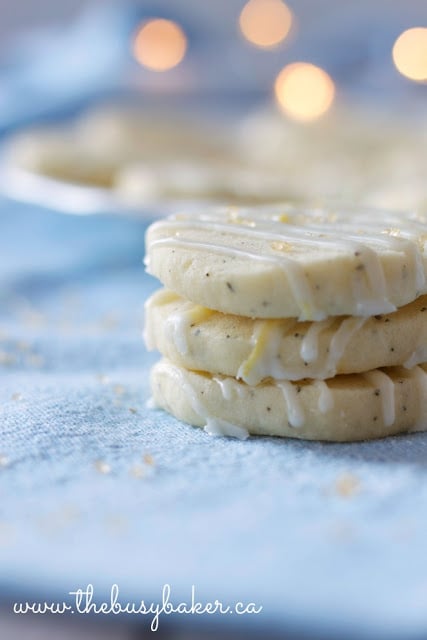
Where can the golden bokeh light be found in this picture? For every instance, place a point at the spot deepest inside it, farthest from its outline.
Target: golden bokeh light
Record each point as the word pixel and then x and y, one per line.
pixel 303 91
pixel 410 54
pixel 160 44
pixel 265 23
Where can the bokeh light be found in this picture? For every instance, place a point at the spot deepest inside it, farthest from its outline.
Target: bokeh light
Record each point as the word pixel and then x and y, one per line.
pixel 410 54
pixel 160 44
pixel 265 23
pixel 303 91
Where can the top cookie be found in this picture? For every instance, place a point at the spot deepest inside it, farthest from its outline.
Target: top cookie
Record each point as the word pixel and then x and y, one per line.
pixel 287 262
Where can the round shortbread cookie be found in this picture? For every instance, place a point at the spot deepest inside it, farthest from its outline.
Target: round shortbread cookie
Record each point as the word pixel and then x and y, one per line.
pixel 148 134
pixel 287 262
pixel 346 408
pixel 99 143
pixel 198 338
pixel 351 155
pixel 59 154
pixel 225 182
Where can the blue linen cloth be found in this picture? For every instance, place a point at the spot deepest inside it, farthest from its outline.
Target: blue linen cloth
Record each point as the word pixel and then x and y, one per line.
pixel 331 539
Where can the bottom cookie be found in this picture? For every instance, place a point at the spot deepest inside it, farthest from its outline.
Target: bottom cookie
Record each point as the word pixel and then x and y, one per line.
pixel 345 408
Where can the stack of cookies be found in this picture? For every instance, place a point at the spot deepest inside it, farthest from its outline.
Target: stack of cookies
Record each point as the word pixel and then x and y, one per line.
pixel 291 322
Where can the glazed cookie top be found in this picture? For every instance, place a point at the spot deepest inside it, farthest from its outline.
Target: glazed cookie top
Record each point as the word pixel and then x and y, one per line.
pixel 283 261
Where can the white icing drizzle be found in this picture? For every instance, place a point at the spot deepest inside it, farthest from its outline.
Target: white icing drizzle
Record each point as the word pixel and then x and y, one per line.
pixel 178 323
pixel 148 335
pixel 385 386
pixel 420 274
pixel 339 342
pixel 420 377
pixel 228 387
pixel 295 410
pixel 263 361
pixel 176 326
pixel 160 297
pixel 213 425
pixel 306 231
pixel 309 350
pixel 169 368
pixel 325 401
pixel 218 427
pixel 419 356
pixel 375 300
pixel 151 404
pixel 267 338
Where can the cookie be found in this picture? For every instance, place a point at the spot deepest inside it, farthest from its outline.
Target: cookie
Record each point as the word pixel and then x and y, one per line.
pixel 95 146
pixel 365 157
pixel 375 404
pixel 286 262
pixel 58 154
pixel 147 134
pixel 140 184
pixel 198 338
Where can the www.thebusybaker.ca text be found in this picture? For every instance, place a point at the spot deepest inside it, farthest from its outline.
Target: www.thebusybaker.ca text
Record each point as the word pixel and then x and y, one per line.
pixel 84 604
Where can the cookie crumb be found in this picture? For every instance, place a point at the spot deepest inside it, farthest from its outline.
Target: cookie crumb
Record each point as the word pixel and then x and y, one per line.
pixel 102 378
pixel 151 403
pixel 137 471
pixel 35 360
pixel 102 467
pixel 6 358
pixel 119 389
pixel 347 485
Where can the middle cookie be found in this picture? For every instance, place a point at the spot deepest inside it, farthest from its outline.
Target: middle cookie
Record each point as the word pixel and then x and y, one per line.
pixel 200 339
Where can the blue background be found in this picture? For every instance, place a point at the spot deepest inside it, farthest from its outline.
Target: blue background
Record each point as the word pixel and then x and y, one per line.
pixel 262 520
